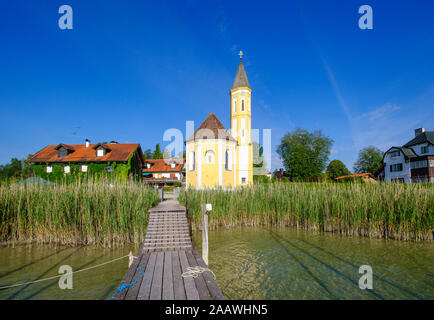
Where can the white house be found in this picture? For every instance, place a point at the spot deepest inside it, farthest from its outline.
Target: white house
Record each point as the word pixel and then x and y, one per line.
pixel 413 162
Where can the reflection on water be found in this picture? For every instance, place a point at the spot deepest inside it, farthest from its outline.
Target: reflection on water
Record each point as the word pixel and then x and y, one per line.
pixel 30 262
pixel 258 263
pixel 250 263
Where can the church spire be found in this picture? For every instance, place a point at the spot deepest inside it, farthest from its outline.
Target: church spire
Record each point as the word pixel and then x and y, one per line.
pixel 241 77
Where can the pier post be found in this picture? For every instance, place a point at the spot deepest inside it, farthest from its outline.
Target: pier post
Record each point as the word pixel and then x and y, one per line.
pixel 205 208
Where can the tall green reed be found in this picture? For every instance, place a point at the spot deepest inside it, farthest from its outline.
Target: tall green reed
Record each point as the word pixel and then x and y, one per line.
pixel 85 212
pixel 399 211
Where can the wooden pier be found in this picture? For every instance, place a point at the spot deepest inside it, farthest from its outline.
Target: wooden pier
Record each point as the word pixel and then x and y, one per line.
pixel 166 254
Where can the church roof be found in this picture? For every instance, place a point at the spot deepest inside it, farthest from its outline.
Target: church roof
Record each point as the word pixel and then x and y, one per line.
pixel 241 78
pixel 211 128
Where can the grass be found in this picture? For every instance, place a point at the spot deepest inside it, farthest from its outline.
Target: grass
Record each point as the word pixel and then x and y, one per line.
pixel 77 213
pixel 399 211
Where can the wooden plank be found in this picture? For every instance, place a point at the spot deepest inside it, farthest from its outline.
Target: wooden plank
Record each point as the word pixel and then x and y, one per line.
pixel 213 288
pixel 127 278
pixel 168 277
pixel 178 282
pixel 157 279
pixel 190 287
pixel 201 286
pixel 145 287
pixel 133 291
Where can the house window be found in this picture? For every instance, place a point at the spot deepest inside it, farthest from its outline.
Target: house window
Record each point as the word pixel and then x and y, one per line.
pixel 243 180
pixel 49 169
pixel 424 149
pixel 209 157
pixel 173 165
pixel 228 160
pixel 100 152
pixel 108 169
pixel 397 180
pixel 394 154
pixel 431 163
pixel 148 165
pixel 62 153
pixel 242 104
pixel 396 167
pixel 192 161
pixel 67 169
pixel 419 164
pixel 83 168
pixel 235 105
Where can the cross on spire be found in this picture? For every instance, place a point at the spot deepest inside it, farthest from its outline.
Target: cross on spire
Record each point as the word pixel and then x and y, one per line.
pixel 241 55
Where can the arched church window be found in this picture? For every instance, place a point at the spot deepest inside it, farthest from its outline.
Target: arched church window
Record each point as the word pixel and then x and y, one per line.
pixel 209 157
pixel 228 160
pixel 192 161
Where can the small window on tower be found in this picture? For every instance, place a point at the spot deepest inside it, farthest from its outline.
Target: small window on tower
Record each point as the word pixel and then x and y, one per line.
pixel 235 105
pixel 242 105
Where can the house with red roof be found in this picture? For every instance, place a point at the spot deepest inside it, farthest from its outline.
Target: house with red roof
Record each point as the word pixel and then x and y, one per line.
pixel 64 161
pixel 163 171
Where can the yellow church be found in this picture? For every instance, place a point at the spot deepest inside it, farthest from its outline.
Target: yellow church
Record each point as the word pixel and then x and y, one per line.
pixel 217 158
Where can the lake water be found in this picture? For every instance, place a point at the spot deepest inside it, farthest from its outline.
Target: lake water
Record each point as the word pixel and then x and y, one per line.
pixel 249 263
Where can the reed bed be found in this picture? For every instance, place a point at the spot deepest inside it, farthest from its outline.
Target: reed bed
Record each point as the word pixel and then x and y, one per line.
pixel 78 213
pixel 398 211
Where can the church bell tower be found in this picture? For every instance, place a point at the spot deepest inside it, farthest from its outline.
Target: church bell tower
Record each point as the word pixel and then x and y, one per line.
pixel 241 115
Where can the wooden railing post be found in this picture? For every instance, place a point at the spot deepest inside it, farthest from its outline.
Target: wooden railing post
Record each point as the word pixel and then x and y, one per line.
pixel 189 216
pixel 205 233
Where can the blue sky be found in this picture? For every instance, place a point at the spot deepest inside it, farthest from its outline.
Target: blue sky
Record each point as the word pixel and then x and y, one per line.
pixel 129 70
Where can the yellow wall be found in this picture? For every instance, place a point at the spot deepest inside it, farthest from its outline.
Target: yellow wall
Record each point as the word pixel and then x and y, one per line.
pixel 210 172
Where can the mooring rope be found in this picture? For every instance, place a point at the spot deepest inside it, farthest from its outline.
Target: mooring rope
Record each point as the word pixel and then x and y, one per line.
pixel 127 285
pixel 194 272
pixel 58 276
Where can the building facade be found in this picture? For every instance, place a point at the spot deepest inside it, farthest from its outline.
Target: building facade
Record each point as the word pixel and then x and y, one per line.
pixel 163 171
pixel 217 158
pixel 66 162
pixel 413 162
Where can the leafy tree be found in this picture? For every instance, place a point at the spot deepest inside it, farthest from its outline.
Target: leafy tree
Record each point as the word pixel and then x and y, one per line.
pixel 16 169
pixel 336 168
pixel 369 160
pixel 182 154
pixel 157 153
pixel 147 154
pixel 258 159
pixel 166 154
pixel 304 154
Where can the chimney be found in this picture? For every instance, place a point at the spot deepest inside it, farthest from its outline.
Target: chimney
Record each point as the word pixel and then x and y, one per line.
pixel 419 131
pixel 87 143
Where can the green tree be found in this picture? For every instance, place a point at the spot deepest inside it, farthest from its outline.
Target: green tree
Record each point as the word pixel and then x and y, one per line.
pixel 182 154
pixel 157 153
pixel 369 160
pixel 304 154
pixel 258 159
pixel 16 169
pixel 336 168
pixel 147 154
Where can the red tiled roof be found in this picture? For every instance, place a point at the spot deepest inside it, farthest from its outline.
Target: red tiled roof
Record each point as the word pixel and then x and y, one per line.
pixel 356 175
pixel 211 128
pixel 163 165
pixel 79 153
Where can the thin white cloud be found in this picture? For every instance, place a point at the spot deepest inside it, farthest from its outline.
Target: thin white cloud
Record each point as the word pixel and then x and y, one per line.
pixel 379 113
